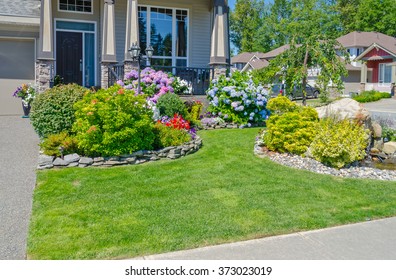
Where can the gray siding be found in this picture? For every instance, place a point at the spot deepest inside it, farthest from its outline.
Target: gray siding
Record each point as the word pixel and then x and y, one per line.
pixel 199 28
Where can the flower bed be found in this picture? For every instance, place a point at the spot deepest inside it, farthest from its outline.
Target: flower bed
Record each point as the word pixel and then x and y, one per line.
pixel 138 157
pixel 310 164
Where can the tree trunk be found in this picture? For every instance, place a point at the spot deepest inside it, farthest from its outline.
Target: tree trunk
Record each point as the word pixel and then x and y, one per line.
pixel 304 81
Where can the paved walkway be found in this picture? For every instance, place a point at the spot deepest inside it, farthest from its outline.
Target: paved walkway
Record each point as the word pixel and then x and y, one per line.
pixel 384 108
pixel 375 240
pixel 18 159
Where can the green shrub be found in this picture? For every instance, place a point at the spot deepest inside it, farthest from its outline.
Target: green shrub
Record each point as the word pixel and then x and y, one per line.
pixel 290 128
pixel 52 111
pixel 113 122
pixel 51 145
pixel 167 136
pixel 371 96
pixel 291 132
pixel 339 142
pixel 389 133
pixel 280 105
pixel 170 104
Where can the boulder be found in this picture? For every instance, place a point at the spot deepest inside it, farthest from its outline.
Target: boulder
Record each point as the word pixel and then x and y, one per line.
pixel 389 148
pixel 345 108
pixel 377 130
pixel 378 144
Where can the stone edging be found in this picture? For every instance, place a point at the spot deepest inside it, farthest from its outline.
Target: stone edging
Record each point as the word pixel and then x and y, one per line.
pixel 74 160
pixel 312 165
pixel 228 125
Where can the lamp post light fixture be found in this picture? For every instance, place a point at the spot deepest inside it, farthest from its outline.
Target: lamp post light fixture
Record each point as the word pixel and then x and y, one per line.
pixel 136 55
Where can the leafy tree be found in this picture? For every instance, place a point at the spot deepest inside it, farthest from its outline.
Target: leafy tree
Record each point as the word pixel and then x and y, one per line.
pixel 376 15
pixel 244 24
pixel 310 48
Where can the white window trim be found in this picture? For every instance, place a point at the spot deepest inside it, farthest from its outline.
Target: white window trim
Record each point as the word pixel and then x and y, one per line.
pixel 77 12
pixel 174 20
pixel 83 45
pixel 383 73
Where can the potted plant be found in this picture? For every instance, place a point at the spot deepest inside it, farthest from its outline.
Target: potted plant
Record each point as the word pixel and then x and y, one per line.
pixel 26 93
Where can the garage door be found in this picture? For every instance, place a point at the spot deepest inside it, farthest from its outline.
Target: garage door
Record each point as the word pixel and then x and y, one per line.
pixel 17 66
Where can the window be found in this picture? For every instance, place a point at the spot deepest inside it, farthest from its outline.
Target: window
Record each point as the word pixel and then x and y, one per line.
pixel 385 73
pixel 167 34
pixel 81 6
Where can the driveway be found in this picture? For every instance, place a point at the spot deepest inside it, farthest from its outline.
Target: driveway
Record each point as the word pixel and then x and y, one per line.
pixel 18 160
pixel 384 108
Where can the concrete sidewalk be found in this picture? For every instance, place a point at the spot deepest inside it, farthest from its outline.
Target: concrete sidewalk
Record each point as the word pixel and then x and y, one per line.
pixel 18 160
pixel 375 240
pixel 384 108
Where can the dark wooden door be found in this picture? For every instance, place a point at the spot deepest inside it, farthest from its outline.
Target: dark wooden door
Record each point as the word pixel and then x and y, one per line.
pixel 69 56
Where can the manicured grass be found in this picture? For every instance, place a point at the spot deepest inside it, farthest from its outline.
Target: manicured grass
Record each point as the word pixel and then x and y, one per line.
pixel 220 194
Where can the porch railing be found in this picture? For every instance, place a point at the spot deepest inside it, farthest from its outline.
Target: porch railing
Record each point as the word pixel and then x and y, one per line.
pixel 116 72
pixel 198 79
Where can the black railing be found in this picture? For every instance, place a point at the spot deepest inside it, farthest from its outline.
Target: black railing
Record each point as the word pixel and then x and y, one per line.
pixel 197 78
pixel 116 72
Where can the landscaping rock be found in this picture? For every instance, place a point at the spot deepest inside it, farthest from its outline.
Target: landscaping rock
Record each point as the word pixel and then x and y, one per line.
pixel 99 163
pixel 85 161
pixel 345 108
pixel 374 151
pixel 60 162
pixel 138 154
pixel 73 164
pixel 378 144
pixel 389 148
pixel 131 160
pixel 45 160
pixel 42 167
pixel 72 158
pixel 82 165
pixel 377 130
pixel 98 159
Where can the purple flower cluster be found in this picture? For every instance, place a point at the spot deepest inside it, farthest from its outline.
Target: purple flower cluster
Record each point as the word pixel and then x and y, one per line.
pixel 153 83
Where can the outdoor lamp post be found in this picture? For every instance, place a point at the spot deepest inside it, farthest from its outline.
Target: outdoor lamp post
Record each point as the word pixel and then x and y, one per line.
pixel 136 55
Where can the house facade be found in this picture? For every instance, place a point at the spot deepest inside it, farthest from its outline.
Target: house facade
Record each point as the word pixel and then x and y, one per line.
pixel 19 33
pixel 82 40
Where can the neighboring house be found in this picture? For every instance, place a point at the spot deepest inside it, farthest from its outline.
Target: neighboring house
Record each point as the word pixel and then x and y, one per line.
pixel 241 60
pixel 19 33
pixel 372 55
pixel 373 61
pixel 82 41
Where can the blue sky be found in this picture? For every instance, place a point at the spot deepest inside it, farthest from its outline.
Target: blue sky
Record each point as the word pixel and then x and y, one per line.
pixel 231 3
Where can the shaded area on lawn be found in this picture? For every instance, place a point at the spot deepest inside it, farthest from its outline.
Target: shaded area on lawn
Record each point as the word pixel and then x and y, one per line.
pixel 222 193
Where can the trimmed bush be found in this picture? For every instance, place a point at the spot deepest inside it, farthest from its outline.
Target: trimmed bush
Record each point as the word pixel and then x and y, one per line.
pixel 339 142
pixel 290 128
pixel 168 136
pixel 371 96
pixel 170 104
pixel 53 112
pixel 113 122
pixel 281 105
pixel 52 144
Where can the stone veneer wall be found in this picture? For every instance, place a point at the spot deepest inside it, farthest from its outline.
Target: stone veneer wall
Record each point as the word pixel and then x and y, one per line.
pixel 74 160
pixel 44 69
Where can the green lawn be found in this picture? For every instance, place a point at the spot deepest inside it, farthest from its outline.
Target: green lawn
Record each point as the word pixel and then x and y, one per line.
pixel 220 194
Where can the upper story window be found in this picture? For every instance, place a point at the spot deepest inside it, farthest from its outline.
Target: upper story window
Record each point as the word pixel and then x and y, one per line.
pixel 80 6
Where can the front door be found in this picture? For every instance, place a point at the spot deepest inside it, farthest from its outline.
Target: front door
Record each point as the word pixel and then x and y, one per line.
pixel 69 56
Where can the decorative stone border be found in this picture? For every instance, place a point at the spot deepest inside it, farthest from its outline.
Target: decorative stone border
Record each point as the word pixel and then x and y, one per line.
pixel 139 157
pixel 312 165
